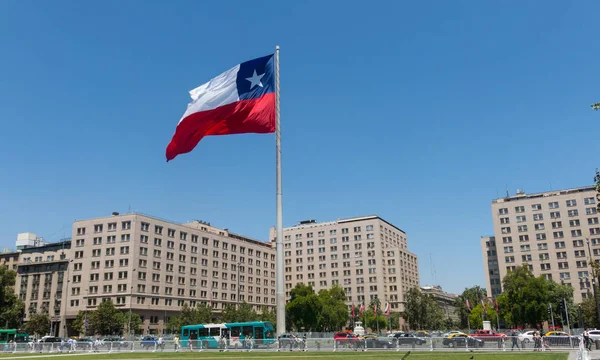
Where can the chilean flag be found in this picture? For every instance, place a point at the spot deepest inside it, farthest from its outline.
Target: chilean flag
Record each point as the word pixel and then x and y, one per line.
pixel 387 308
pixel 240 100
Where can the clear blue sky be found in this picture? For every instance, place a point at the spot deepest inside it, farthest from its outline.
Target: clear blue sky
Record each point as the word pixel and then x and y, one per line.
pixel 420 112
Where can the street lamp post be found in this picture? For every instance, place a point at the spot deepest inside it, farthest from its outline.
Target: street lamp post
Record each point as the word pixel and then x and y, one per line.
pixel 130 304
pixel 594 284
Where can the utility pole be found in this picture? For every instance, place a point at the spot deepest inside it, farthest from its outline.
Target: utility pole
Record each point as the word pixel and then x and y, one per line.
pixel 567 318
pixel 551 315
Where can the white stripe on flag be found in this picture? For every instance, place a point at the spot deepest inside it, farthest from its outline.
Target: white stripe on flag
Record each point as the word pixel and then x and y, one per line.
pixel 219 91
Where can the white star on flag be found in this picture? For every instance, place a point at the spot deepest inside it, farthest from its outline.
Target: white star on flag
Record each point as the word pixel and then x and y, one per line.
pixel 255 80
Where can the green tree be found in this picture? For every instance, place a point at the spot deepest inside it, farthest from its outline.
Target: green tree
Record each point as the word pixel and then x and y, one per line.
pixel 243 313
pixel 136 323
pixel 38 324
pixel 394 319
pixel 302 312
pixel 526 298
pixel 268 315
pixel 79 323
pixel 374 321
pixel 10 305
pixel 478 315
pixel 334 313
pixel 589 313
pixel 422 311
pixel 229 314
pixel 201 314
pixel 106 319
pixel 474 295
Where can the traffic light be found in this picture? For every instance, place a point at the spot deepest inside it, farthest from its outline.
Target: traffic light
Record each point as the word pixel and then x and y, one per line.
pixel 549 310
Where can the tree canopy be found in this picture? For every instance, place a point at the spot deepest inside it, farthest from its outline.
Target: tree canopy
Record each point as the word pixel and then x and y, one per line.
pixel 38 324
pixel 526 298
pixel 422 311
pixel 308 311
pixel 244 312
pixel 200 314
pixel 334 312
pixel 10 305
pixel 475 296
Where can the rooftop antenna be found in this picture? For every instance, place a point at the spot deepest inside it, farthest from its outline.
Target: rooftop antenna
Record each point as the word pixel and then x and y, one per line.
pixel 507 194
pixel 433 273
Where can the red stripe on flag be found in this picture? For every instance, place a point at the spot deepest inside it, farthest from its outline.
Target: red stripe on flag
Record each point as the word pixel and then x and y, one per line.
pixel 241 117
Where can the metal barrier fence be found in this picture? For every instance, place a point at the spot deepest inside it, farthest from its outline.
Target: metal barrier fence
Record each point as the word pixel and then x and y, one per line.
pixel 555 343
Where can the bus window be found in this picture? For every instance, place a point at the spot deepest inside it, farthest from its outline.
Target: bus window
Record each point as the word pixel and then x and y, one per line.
pixel 193 334
pixel 247 330
pixel 235 331
pixel 215 331
pixel 259 333
pixel 3 337
pixel 203 332
pixel 270 334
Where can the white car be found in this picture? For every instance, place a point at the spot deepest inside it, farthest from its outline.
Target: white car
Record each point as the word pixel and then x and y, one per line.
pixel 594 334
pixel 526 336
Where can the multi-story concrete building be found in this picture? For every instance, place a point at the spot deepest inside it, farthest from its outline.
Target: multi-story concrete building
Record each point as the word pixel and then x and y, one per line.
pixel 10 259
pixel 549 232
pixel 41 281
pixel 490 263
pixel 367 256
pixel 153 267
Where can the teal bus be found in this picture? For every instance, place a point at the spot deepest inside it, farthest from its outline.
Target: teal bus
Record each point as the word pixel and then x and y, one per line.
pixel 207 335
pixel 17 336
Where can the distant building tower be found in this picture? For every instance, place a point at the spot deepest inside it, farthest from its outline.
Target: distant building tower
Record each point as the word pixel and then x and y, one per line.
pixel 28 240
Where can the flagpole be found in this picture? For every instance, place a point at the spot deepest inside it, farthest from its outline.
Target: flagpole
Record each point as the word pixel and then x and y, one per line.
pixel 280 294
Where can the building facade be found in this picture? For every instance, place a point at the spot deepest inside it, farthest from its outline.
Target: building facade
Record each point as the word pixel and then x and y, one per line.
pixel 446 301
pixel 490 265
pixel 367 256
pixel 556 233
pixel 10 259
pixel 41 281
pixel 153 267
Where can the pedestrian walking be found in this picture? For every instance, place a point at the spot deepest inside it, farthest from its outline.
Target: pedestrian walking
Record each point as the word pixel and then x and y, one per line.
pixel 515 340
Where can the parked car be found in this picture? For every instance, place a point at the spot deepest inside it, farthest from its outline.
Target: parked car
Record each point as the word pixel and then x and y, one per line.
pixel 149 341
pixel 560 338
pixel 285 340
pixel 85 343
pixel 526 336
pixel 409 339
pixel 459 340
pixel 49 339
pixel 421 334
pixel 452 332
pixel 488 335
pixel 342 337
pixel 116 342
pixel 374 342
pixel 594 334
